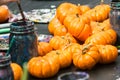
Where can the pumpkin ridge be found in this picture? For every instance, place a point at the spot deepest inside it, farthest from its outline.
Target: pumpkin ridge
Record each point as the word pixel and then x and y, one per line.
pixel 66 56
pixel 78 57
pixel 113 53
pixel 47 60
pixel 80 28
pixel 106 37
pixel 54 61
pixel 84 62
pixel 86 48
pixel 113 35
pixel 73 26
pixel 38 64
pixel 45 71
pixel 87 31
pixel 92 58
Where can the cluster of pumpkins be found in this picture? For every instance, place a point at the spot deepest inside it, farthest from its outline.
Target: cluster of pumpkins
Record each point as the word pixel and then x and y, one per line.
pixel 81 35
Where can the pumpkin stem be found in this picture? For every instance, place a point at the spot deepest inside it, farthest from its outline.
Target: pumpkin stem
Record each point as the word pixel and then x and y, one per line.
pixel 86 48
pixel 101 2
pixel 63 37
pixel 67 46
pixel 57 52
pixel 79 5
pixel 77 15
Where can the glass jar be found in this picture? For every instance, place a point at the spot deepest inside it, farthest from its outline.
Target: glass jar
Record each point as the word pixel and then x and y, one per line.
pixel 115 18
pixel 5 69
pixel 22 41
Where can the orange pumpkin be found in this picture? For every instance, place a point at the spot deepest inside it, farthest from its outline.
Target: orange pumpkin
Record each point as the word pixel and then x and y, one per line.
pixel 43 48
pixel 53 24
pixel 87 57
pixel 98 13
pixel 85 33
pixel 77 27
pixel 4 13
pixel 57 42
pixel 100 26
pixel 65 58
pixel 44 67
pixel 104 37
pixel 60 31
pixel 65 9
pixel 17 71
pixel 108 53
pixel 72 48
pixel 102 12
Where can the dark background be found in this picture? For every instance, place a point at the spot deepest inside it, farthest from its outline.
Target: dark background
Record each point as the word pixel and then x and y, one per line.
pixel 99 72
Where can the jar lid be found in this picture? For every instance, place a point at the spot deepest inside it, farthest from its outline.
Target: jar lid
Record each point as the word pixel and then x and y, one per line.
pixel 21 27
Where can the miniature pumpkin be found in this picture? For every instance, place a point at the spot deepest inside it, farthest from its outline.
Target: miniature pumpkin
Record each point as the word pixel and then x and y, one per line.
pixel 72 48
pixel 4 13
pixel 102 12
pixel 76 26
pixel 44 67
pixel 65 58
pixel 60 31
pixel 43 48
pixel 87 57
pixel 17 71
pixel 104 37
pixel 57 42
pixel 98 13
pixel 65 9
pixel 53 24
pixel 100 26
pixel 85 33
pixel 108 53
pixel 70 37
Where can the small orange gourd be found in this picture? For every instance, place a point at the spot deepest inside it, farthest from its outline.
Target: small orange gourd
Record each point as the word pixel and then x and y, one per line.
pixel 53 24
pixel 87 57
pixel 60 31
pixel 57 42
pixel 4 13
pixel 44 67
pixel 108 53
pixel 65 58
pixel 43 48
pixel 98 13
pixel 17 71
pixel 104 37
pixel 77 27
pixel 72 48
pixel 65 9
pixel 100 26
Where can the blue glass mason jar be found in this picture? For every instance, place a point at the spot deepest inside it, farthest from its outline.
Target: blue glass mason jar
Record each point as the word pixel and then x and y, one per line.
pixel 115 18
pixel 5 69
pixel 22 41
